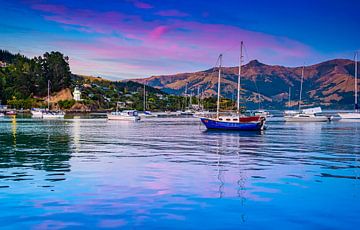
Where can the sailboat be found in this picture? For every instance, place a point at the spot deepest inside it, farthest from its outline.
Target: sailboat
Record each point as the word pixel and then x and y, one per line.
pixel 305 115
pixel 126 115
pixel 235 122
pixel 51 114
pixel 145 113
pixel 354 115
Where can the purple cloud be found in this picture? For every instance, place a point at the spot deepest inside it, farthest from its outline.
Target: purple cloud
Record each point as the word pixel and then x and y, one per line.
pixel 178 45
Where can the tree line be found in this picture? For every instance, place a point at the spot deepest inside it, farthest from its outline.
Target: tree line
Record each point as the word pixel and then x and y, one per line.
pixel 24 78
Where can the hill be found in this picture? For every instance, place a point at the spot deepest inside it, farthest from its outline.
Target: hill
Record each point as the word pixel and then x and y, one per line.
pixel 329 84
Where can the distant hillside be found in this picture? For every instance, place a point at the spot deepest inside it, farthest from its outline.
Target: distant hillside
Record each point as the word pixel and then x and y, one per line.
pixel 329 84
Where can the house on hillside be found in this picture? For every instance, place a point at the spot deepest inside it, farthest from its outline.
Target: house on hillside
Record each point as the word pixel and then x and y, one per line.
pixel 77 94
pixel 3 64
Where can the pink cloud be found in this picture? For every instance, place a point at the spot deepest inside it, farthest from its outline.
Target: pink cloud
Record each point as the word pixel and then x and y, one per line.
pixel 159 31
pixel 171 13
pixel 159 47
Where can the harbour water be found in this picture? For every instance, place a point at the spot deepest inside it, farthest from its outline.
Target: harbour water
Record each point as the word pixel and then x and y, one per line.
pixel 172 174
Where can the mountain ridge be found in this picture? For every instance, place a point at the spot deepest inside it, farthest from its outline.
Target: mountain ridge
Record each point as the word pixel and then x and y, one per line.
pixel 329 84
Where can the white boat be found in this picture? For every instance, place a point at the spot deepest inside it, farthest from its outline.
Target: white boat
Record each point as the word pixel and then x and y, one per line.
pixel 53 115
pixel 187 112
pixel 307 115
pixel 2 115
pixel 37 113
pixel 262 113
pixel 126 115
pixel 354 115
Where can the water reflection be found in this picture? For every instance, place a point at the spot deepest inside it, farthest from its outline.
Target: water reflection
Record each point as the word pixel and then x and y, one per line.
pixel 41 147
pixel 163 174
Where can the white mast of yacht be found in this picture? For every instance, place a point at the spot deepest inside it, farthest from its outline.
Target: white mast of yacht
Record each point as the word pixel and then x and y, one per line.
pixel 144 97
pixel 219 83
pixel 289 97
pixel 48 95
pixel 239 78
pixel 301 86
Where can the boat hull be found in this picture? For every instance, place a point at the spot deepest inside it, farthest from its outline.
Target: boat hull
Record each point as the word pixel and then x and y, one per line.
pixel 53 116
pixel 350 116
pixel 232 126
pixel 122 118
pixel 306 119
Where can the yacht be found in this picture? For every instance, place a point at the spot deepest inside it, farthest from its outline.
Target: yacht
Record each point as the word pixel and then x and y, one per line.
pixel 307 115
pixel 235 122
pixel 354 115
pixel 51 114
pixel 37 113
pixel 126 115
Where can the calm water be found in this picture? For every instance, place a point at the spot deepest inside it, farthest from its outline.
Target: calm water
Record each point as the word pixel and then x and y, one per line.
pixel 170 174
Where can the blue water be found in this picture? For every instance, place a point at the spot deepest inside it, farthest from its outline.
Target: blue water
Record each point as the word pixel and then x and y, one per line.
pixel 171 174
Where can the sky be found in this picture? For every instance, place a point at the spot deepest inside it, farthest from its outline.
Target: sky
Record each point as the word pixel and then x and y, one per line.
pixel 124 39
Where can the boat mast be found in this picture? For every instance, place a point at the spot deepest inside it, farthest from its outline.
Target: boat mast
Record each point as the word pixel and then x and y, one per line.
pixel 289 96
pixel 144 97
pixel 218 93
pixel 48 95
pixel 185 96
pixel 239 77
pixel 301 86
pixel 198 94
pixel 356 85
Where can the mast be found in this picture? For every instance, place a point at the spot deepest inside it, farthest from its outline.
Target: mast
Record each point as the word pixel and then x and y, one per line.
pixel 144 97
pixel 48 95
pixel 356 84
pixel 301 86
pixel 289 96
pixel 198 94
pixel 239 77
pixel 186 95
pixel 190 103
pixel 218 93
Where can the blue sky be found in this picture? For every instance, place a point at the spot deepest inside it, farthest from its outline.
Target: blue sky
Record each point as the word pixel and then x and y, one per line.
pixel 139 38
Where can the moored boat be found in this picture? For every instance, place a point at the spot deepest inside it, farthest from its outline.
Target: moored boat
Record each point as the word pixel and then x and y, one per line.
pixel 11 113
pixel 305 115
pixel 47 114
pixel 53 115
pixel 354 115
pixel 126 115
pixel 235 122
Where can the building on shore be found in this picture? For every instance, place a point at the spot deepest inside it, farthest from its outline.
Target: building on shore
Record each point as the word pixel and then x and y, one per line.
pixel 77 94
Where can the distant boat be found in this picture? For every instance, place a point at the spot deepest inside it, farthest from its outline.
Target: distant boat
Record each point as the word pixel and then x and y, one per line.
pixel 11 113
pixel 126 115
pixel 354 115
pixel 187 112
pixel 37 113
pixel 236 122
pixel 2 115
pixel 305 115
pixel 51 114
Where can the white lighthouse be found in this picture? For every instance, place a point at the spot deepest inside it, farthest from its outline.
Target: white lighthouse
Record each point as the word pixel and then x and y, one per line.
pixel 77 94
